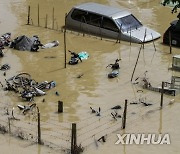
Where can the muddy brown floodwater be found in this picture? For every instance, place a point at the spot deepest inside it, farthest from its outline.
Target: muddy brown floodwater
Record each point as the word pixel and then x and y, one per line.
pixel 93 89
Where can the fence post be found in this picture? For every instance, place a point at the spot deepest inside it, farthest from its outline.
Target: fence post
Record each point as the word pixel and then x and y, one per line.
pixel 153 42
pixel 162 93
pixel 39 127
pixel 144 37
pixel 53 19
pixel 124 115
pixel 38 15
pixel 136 62
pixel 65 41
pixel 28 21
pixel 60 106
pixel 130 36
pixel 170 42
pixel 46 21
pixel 9 124
pixel 73 139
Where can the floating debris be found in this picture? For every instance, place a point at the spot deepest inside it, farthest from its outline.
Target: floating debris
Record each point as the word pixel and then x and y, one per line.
pixel 5 67
pixel 93 111
pixel 27 87
pixel 116 107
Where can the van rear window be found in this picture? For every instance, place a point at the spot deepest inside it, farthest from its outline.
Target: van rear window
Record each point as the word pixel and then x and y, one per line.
pixel 79 15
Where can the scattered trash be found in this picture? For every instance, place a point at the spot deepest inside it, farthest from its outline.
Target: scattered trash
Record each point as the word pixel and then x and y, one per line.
pixel 103 139
pixel 115 115
pixel 83 55
pixel 25 43
pixel 93 111
pixel 98 113
pixel 115 69
pixel 26 108
pixel 1 52
pixel 5 39
pixel 76 57
pixel 50 44
pixel 116 107
pixel 80 75
pixel 43 100
pixel 49 57
pixel 5 67
pixel 27 87
pixel 57 93
pixel 141 101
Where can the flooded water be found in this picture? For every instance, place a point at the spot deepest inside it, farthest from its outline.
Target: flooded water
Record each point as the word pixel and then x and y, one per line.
pixel 93 89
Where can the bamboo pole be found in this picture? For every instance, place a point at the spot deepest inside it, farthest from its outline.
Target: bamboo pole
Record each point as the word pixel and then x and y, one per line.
pixel 39 127
pixel 170 45
pixel 53 19
pixel 162 93
pixel 38 15
pixel 65 42
pixel 73 139
pixel 130 36
pixel 9 124
pixel 136 62
pixel 124 115
pixel 153 42
pixel 46 21
pixel 28 21
pixel 144 37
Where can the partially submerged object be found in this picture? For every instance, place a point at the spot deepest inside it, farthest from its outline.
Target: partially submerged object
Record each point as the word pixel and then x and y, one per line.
pixel 176 62
pixel 170 88
pixel 5 67
pixel 76 57
pixel 27 87
pixel 5 39
pixel 25 43
pixel 109 22
pixel 114 69
pixel 50 45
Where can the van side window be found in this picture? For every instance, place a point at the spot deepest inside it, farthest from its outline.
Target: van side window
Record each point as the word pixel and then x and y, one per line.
pixel 109 24
pixel 79 15
pixel 94 19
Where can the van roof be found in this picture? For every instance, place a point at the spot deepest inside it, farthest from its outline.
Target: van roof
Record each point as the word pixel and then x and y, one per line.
pixel 103 10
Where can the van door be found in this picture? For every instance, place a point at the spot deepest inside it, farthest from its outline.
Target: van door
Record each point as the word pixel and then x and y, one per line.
pixel 109 28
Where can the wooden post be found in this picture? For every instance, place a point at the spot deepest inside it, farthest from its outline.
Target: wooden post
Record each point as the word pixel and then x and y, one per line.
pixel 136 62
pixel 73 139
pixel 162 93
pixel 38 15
pixel 153 42
pixel 53 19
pixel 46 21
pixel 144 37
pixel 9 124
pixel 130 35
pixel 28 21
pixel 65 41
pixel 119 35
pixel 124 115
pixel 60 106
pixel 170 45
pixel 39 127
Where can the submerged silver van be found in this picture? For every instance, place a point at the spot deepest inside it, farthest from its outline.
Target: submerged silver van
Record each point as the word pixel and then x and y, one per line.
pixel 109 22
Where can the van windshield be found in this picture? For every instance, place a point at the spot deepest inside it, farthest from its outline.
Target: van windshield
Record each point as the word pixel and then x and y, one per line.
pixel 128 22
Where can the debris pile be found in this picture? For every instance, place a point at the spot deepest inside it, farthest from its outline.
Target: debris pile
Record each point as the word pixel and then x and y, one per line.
pixel 27 87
